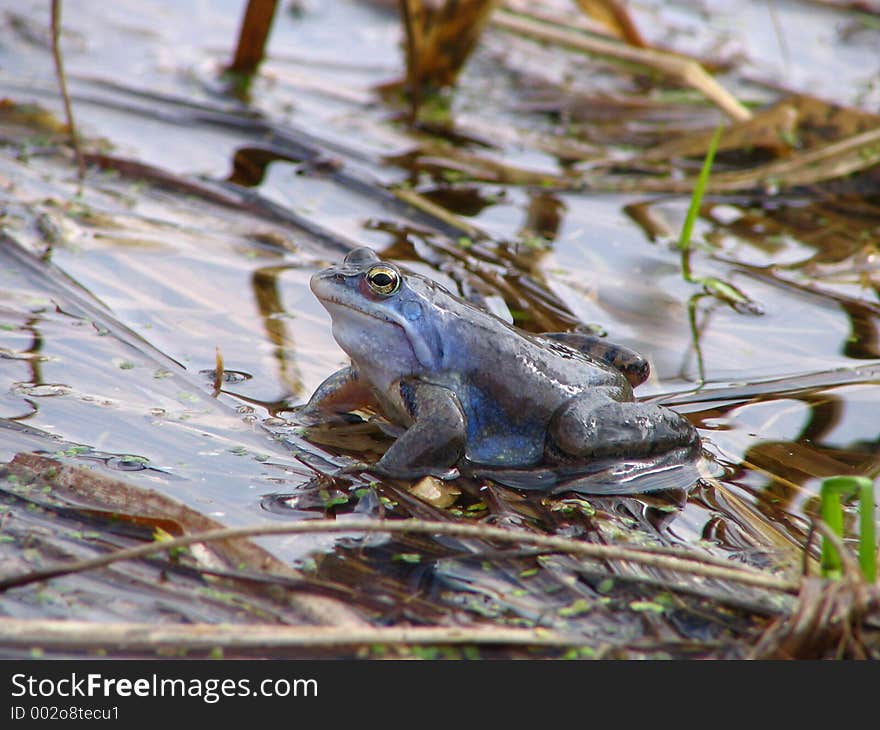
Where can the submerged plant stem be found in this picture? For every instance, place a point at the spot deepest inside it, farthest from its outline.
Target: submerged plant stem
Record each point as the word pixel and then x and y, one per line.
pixel 712 285
pixel 695 338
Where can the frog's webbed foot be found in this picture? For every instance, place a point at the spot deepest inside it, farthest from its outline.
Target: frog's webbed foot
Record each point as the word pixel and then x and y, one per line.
pixel 634 367
pixel 332 400
pixel 434 442
pixel 363 466
pixel 596 427
pixel 309 418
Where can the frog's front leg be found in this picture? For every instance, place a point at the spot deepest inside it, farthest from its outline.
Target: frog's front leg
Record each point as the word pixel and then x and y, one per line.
pixel 339 394
pixel 436 439
pixel 595 427
pixel 634 367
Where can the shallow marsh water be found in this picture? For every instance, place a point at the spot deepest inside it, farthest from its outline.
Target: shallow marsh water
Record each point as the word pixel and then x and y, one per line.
pixel 109 340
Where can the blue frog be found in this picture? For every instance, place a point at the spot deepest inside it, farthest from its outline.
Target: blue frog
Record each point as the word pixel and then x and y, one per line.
pixel 471 391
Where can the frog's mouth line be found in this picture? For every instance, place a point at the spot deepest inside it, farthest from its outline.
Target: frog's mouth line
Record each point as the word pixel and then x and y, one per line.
pixel 350 308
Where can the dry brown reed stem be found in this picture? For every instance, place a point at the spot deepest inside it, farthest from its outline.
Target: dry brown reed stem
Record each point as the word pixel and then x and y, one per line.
pixel 420 202
pixel 411 12
pixel 62 85
pixel 255 27
pixel 683 69
pixel 830 161
pixel 654 558
pixel 826 162
pixel 827 618
pixel 219 371
pixel 52 633
pixel 439 39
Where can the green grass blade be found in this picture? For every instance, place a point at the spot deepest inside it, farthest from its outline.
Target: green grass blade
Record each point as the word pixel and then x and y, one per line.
pixel 867 532
pixel 684 241
pixel 831 492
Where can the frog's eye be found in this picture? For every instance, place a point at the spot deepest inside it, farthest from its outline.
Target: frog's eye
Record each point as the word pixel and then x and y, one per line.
pixel 383 280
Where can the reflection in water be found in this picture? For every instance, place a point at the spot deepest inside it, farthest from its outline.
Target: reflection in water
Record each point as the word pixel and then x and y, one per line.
pixel 483 270
pixel 265 286
pixel 231 377
pixel 249 164
pixel 788 471
pixel 543 216
pixel 864 340
pixel 649 216
pixel 861 342
pixel 692 309
pixel 812 245
pixel 464 200
pixel 534 240
pixel 33 386
pixel 809 455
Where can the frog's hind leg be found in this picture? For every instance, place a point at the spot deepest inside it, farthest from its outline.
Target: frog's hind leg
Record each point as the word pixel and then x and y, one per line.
pixel 634 367
pixel 436 439
pixel 597 427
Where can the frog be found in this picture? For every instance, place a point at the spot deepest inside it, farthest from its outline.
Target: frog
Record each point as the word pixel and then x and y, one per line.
pixel 469 391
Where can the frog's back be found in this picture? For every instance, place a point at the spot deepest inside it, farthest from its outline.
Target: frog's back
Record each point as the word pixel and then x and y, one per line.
pixel 488 349
pixel 510 384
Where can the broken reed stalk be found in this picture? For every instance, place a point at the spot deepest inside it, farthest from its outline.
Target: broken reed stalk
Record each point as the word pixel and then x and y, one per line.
pixel 616 18
pixel 826 618
pixel 654 558
pixel 252 37
pixel 219 371
pixel 62 85
pixel 683 69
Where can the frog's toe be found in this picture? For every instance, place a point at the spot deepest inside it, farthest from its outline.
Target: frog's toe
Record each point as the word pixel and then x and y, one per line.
pixel 354 468
pixel 398 472
pixel 415 472
pixel 307 417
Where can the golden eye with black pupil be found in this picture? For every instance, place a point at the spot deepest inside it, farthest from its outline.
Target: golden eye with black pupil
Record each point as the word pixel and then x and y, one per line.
pixel 383 280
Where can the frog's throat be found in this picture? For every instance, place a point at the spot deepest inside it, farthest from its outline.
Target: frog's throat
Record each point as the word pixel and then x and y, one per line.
pixel 421 349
